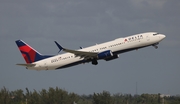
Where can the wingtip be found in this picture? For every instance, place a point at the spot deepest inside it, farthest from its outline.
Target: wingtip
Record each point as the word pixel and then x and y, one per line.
pixel 59 46
pixel 56 42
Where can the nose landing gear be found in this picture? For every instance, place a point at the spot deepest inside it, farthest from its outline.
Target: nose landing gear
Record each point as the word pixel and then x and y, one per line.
pixel 155 45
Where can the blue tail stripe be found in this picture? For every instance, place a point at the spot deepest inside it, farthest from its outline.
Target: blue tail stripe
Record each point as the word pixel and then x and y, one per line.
pixel 20 43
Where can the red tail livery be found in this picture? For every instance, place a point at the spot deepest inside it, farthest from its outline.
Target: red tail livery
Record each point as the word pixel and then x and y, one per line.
pixel 29 54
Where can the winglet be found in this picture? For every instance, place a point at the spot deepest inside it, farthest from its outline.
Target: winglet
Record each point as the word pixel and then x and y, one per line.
pixel 59 46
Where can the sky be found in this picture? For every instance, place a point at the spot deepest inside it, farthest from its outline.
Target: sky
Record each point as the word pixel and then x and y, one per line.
pixel 75 23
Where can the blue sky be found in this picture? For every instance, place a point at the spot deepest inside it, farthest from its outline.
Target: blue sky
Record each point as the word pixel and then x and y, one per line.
pixel 75 23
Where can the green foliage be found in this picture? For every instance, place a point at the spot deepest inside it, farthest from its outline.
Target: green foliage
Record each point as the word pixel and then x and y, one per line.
pixel 102 98
pixel 60 96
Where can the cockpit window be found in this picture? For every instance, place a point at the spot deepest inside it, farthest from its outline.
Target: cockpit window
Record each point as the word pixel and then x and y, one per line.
pixel 155 34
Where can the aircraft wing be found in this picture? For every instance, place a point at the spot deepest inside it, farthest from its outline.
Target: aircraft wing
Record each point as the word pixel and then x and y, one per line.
pixel 82 54
pixel 27 65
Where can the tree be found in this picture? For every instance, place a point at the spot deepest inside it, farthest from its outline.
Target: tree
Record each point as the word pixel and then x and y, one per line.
pixel 102 98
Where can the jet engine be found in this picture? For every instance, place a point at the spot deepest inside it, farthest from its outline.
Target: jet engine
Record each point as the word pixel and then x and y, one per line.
pixel 105 54
pixel 112 57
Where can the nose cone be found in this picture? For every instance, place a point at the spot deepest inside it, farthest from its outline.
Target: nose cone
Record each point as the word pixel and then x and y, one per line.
pixel 162 36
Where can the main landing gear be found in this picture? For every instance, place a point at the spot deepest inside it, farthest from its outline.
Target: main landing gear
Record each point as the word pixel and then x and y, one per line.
pixel 94 62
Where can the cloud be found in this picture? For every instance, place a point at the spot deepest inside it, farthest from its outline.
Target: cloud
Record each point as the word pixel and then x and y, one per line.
pixel 153 4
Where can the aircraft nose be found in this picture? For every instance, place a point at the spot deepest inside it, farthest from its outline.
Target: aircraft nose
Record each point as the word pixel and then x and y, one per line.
pixel 162 36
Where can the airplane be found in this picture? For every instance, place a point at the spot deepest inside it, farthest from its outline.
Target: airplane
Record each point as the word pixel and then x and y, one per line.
pixel 105 51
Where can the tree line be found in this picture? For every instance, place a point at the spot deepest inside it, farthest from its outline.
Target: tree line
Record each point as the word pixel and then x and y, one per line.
pixel 60 96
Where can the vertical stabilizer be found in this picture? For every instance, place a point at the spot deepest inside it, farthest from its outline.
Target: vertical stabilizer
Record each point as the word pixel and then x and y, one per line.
pixel 29 54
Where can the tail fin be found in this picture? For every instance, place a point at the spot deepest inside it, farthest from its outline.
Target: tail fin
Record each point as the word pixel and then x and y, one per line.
pixel 29 54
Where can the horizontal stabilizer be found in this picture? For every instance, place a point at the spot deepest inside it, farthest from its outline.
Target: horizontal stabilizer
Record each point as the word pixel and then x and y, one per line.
pixel 27 65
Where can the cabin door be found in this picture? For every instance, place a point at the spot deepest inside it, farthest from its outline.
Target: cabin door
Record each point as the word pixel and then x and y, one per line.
pixel 45 65
pixel 147 37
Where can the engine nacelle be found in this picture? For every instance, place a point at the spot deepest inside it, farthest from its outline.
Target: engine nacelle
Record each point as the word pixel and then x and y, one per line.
pixel 105 54
pixel 112 57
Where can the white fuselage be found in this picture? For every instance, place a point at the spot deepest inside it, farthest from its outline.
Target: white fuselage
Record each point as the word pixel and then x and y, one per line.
pixel 117 46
